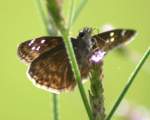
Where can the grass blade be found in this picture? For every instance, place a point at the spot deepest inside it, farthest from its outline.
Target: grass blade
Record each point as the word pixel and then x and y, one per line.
pixel 42 14
pixel 71 13
pixel 129 83
pixel 78 10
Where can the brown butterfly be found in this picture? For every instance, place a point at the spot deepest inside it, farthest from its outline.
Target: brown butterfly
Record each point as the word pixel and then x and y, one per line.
pixel 49 67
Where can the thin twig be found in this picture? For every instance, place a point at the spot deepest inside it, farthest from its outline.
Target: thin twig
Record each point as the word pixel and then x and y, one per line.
pixel 129 83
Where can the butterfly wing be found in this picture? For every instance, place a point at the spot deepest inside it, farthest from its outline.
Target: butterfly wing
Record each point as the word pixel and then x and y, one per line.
pixel 31 49
pixel 52 70
pixel 111 39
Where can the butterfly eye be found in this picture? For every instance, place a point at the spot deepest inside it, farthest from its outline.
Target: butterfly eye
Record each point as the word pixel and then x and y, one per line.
pixel 81 34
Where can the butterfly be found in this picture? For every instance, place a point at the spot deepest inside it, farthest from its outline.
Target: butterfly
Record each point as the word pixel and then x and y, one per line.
pixel 49 66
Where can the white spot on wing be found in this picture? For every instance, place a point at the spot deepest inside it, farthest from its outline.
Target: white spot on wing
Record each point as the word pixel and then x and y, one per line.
pixel 33 48
pixel 38 48
pixel 43 41
pixel 111 34
pixel 123 33
pixel 112 39
pixel 31 42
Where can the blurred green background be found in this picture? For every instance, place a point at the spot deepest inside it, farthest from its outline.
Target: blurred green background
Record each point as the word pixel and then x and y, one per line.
pixel 20 21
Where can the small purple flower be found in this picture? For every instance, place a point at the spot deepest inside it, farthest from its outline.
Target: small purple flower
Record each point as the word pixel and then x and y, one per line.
pixel 97 56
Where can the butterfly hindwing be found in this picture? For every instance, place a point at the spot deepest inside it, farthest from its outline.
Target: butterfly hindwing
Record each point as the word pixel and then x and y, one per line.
pixel 52 70
pixel 111 39
pixel 31 49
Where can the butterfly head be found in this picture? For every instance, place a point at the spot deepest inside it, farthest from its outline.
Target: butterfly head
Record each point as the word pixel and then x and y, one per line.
pixel 85 37
pixel 85 33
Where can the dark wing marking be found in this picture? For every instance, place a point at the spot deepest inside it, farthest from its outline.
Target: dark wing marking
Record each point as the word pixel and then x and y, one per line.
pixel 52 69
pixel 111 39
pixel 31 49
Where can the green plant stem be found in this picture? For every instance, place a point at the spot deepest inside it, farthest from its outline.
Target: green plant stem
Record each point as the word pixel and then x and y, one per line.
pixel 55 107
pixel 73 62
pixel 71 12
pixel 48 21
pixel 76 71
pixel 42 14
pixel 129 83
pixel 78 10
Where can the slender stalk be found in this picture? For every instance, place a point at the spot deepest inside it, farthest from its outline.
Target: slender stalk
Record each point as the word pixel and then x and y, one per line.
pixel 44 18
pixel 76 71
pixel 96 93
pixel 129 83
pixel 71 12
pixel 73 62
pixel 48 21
pixel 55 107
pixel 78 10
pixel 42 14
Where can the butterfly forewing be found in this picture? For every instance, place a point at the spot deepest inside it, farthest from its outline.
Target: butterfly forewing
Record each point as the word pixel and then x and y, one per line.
pixel 31 49
pixel 111 39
